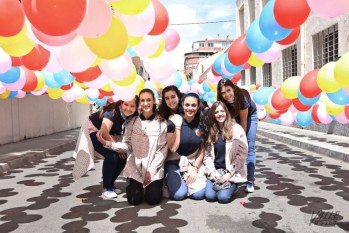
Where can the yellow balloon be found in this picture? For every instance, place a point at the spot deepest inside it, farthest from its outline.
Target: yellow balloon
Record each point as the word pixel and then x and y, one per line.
pixel 5 94
pixel 254 61
pixel 41 80
pixel 159 85
pixel 111 44
pixel 82 85
pixel 20 47
pixel 55 93
pixel 134 40
pixel 140 84
pixel 129 79
pixel 269 109
pixel 334 109
pixel 107 87
pixel 290 87
pixel 253 88
pixel 212 86
pixel 325 78
pixel 13 39
pixel 160 49
pixel 341 70
pixel 130 7
pixel 83 99
pixel 96 62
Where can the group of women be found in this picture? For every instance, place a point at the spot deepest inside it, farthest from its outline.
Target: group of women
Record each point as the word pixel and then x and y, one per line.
pixel 179 147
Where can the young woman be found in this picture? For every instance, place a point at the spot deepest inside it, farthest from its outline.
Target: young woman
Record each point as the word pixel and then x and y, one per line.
pixel 145 141
pixel 170 102
pixel 244 111
pixel 226 152
pixel 184 171
pixel 111 122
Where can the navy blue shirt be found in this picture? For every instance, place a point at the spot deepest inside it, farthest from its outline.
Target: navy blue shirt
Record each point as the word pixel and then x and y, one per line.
pixel 190 141
pixel 252 109
pixel 115 117
pixel 219 151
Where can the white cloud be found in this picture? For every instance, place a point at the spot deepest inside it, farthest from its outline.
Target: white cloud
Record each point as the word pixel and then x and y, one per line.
pixel 227 25
pixel 220 12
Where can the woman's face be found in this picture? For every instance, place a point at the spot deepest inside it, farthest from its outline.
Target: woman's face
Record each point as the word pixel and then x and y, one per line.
pixel 219 114
pixel 190 106
pixel 228 94
pixel 171 100
pixel 146 102
pixel 128 108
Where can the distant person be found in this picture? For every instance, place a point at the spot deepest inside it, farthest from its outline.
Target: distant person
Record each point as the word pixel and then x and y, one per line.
pixel 170 102
pixel 110 122
pixel 145 141
pixel 244 111
pixel 226 152
pixel 184 171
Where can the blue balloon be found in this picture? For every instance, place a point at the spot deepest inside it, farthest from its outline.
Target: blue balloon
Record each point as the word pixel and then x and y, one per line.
pixel 255 40
pixel 63 77
pixel 276 121
pixel 50 81
pixel 217 64
pixel 233 69
pixel 177 79
pixel 101 102
pixel 205 86
pixel 268 25
pixel 131 52
pixel 13 94
pixel 261 96
pixel 304 119
pixel 307 101
pixel 10 76
pixel 340 97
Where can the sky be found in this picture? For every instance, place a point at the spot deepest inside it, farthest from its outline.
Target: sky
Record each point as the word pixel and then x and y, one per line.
pixel 196 11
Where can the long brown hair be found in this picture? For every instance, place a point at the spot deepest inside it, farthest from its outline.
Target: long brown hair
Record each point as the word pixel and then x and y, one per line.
pixel 227 130
pixel 234 108
pixel 116 105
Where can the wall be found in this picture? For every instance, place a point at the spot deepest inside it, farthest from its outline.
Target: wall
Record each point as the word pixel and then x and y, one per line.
pixel 34 116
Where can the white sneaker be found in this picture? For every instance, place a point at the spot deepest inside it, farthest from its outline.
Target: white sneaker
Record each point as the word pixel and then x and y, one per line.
pixel 117 191
pixel 249 188
pixel 109 194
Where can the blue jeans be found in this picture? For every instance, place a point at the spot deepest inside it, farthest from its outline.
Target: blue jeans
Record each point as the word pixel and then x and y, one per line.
pixel 176 185
pixel 252 124
pixel 113 164
pixel 222 196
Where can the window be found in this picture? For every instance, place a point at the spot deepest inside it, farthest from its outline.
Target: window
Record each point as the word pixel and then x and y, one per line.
pixel 201 44
pixel 289 62
pixel 210 44
pixel 325 46
pixel 252 75
pixel 251 9
pixel 243 78
pixel 242 21
pixel 267 77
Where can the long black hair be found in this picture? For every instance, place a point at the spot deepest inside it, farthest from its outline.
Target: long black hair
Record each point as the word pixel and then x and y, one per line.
pixel 164 110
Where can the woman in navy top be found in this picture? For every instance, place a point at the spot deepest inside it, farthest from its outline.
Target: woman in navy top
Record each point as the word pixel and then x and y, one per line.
pixel 244 111
pixel 183 168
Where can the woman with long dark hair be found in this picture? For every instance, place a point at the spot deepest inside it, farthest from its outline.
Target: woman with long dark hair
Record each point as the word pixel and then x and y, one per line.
pixel 170 102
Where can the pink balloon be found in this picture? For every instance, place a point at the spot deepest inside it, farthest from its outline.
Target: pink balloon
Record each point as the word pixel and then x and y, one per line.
pixel 20 94
pixel 125 93
pixel 147 46
pixel 172 39
pixel 97 19
pixel 5 61
pixel 342 118
pixel 322 114
pixel 118 68
pixel 39 92
pixel 271 54
pixel 287 118
pixel 329 8
pixel 99 82
pixel 53 40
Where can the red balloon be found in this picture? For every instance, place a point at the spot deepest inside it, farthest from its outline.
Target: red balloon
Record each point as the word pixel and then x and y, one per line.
pixel 236 78
pixel 314 114
pixel 300 106
pixel 11 17
pixel 238 52
pixel 16 61
pixel 279 102
pixel 31 81
pixel 258 86
pixel 105 93
pixel 214 72
pixel 346 111
pixel 201 80
pixel 274 115
pixel 55 17
pixel 36 59
pixel 291 13
pixel 161 18
pixel 308 85
pixel 88 75
pixel 246 66
pixel 53 40
pixel 67 87
pixel 290 38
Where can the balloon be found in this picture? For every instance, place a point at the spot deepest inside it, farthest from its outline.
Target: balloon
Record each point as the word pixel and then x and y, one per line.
pixel 261 96
pixel 5 61
pixel 117 69
pixel 238 52
pixel 339 97
pixel 290 87
pixel 17 85
pixel 148 46
pixel 304 119
pixel 232 69
pixel 55 18
pixel 268 25
pixel 255 40
pixel 254 61
pixel 308 85
pixel 50 80
pixel 171 38
pixel 276 121
pixel 160 49
pixel 16 61
pixel 274 115
pixel 63 77
pixel 292 37
pixel 217 64
pixel 111 44
pixel 333 109
pixel 341 70
pixel 31 81
pixel 20 47
pixel 87 75
pixel 291 13
pixel 97 19
pixel 300 106
pixel 36 59
pixel 133 40
pixel 314 114
pixel 279 102
pixel 53 40
pixel 271 54
pixel 11 76
pixel 341 118
pixel 326 80
pixel 128 80
pixel 236 78
pixel 161 18
pixel 329 8
pixel 99 82
pixel 287 118
pixel 11 17
pixel 130 7
pixel 308 101
pixel 322 114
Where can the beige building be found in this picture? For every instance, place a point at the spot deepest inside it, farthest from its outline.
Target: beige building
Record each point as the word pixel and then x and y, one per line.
pixel 200 51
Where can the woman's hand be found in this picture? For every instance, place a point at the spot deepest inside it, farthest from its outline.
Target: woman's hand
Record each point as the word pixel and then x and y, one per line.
pixel 192 176
pixel 100 138
pixel 226 177
pixel 147 178
pixel 177 120
pixel 215 176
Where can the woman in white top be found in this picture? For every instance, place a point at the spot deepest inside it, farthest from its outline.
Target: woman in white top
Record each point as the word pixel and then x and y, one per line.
pixel 145 142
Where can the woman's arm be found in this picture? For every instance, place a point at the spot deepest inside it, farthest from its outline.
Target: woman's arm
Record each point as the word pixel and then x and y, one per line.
pixel 173 139
pixel 107 124
pixel 243 119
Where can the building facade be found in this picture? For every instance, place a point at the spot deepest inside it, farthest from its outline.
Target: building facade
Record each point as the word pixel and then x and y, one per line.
pixel 201 50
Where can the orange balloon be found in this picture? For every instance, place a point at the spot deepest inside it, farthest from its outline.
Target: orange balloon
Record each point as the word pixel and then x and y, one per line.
pixel 161 18
pixel 36 59
pixel 88 75
pixel 11 17
pixel 31 80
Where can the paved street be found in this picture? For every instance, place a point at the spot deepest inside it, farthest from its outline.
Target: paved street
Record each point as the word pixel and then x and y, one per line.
pixel 296 191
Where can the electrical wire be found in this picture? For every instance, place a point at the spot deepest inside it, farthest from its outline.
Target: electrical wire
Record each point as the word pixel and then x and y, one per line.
pixel 205 22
